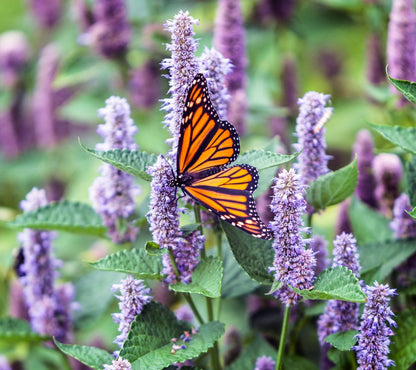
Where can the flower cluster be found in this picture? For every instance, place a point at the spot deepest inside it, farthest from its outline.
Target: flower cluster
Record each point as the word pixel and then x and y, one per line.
pixel 49 307
pixel 119 364
pixel 341 315
pixel 375 329
pixel 293 264
pixel 112 193
pixel 403 224
pixel 46 12
pixel 133 297
pixel 313 161
pixel 264 363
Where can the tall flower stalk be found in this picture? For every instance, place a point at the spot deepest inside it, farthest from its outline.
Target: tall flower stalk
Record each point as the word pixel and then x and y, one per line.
pixel 112 193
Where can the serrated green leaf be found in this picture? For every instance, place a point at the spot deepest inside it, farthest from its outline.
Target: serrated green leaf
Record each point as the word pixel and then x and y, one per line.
pixel 335 283
pixel 333 187
pixel 411 179
pixel 375 228
pixel 16 330
pixel 133 162
pixel 73 217
pixel 404 137
pixel 206 279
pixel 149 344
pixel 343 340
pixel 406 88
pixel 154 249
pixel 403 346
pixel 379 259
pixel 275 286
pixel 235 282
pixel 254 255
pixel 135 261
pixel 413 213
pixel 93 357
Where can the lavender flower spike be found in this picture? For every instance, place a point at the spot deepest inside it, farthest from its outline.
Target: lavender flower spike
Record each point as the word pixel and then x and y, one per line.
pixel 264 363
pixel 46 12
pixel 403 224
pixel 340 315
pixel 293 264
pixel 313 161
pixel 133 297
pixel 401 43
pixel 112 193
pixel 375 329
pixel 183 66
pixel 215 68
pixel 119 364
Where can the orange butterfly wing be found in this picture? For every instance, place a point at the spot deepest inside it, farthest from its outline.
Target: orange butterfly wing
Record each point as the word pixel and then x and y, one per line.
pixel 205 142
pixel 229 194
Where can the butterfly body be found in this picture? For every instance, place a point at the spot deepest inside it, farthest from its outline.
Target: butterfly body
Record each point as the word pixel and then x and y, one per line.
pixel 206 146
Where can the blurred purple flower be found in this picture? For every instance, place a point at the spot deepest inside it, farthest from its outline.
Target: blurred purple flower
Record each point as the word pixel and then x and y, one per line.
pixel 215 68
pixel 83 14
pixel 119 364
pixel 375 329
pixel 4 364
pixel 229 40
pixel 376 65
pixel 183 66
pixel 289 82
pixel 340 315
pixel 278 10
pixel 112 193
pixel 343 224
pixel 293 264
pixel 133 297
pixel 233 342
pixel 49 307
pixel 320 246
pixel 364 149
pixel 388 171
pixel 401 43
pixel 185 313
pixel 46 12
pixel 144 85
pixel 14 55
pixel 313 161
pixel 403 224
pixel 264 363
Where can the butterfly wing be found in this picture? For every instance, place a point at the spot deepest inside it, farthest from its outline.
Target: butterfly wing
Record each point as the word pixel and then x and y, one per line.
pixel 205 142
pixel 229 194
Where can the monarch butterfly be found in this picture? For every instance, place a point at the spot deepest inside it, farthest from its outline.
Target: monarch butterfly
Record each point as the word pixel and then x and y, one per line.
pixel 206 146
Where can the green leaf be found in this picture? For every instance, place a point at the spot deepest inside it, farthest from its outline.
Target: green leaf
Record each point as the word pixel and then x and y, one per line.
pixel 343 340
pixel 134 261
pixel 93 357
pixel 379 259
pixel 401 136
pixel 335 283
pixel 406 88
pixel 154 249
pixel 374 229
pixel 235 282
pixel 275 286
pixel 403 346
pixel 149 344
pixel 94 301
pixel 254 255
pixel 333 187
pixel 412 213
pixel 411 179
pixel 133 162
pixel 206 279
pixel 73 217
pixel 16 330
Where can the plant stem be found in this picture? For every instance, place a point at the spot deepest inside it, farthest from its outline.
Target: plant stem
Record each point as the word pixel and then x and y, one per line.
pixel 279 360
pixel 173 262
pixel 191 303
pixel 197 212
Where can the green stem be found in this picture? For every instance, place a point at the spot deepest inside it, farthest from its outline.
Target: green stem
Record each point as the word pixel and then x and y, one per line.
pixel 309 220
pixel 191 303
pixel 279 360
pixel 173 262
pixel 197 212
pixel 124 68
pixel 219 244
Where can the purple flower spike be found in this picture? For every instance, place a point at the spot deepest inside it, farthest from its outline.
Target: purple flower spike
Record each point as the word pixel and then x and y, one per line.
pixel 320 246
pixel 112 193
pixel 4 364
pixel 119 364
pixel 403 224
pixel 388 171
pixel 376 65
pixel 293 265
pixel 183 66
pixel 375 329
pixel 401 43
pixel 313 161
pixel 144 85
pixel 133 297
pixel 343 222
pixel 46 12
pixel 340 315
pixel 289 84
pixel 215 68
pixel 264 363
pixel 230 41
pixel 364 149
